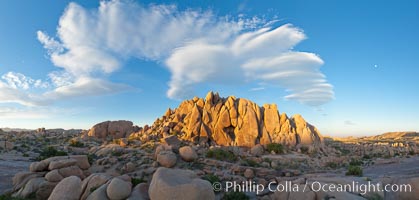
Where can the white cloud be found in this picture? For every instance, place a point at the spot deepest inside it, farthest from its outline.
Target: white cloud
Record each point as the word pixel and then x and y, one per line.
pixel 10 94
pixel 18 80
pixel 349 123
pixel 85 86
pixel 196 46
pixel 15 113
pixel 256 89
pixel 264 55
pixel 61 78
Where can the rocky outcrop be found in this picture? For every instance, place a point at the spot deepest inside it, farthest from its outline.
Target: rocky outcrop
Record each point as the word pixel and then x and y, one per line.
pixel 232 121
pixel 113 129
pixel 46 174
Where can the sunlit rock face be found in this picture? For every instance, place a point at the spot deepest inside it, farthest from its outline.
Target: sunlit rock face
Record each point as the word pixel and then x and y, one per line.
pixel 235 121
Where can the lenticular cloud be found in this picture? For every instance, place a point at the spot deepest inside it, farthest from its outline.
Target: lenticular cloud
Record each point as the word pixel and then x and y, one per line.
pixel 195 46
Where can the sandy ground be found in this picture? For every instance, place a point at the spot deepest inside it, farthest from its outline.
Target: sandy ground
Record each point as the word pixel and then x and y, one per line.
pixel 9 166
pixel 394 168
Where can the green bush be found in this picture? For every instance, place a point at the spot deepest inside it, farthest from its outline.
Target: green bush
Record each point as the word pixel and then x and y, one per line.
pixel 332 165
pixel 411 152
pixel 91 158
pixel 250 163
pixel 25 155
pixel 211 178
pixel 355 162
pixel 136 181
pixel 275 147
pixel 75 143
pixel 235 196
pixel 50 152
pixel 354 171
pixel 221 154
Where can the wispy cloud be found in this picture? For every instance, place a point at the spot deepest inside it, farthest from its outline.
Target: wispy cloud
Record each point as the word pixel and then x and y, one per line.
pixel 8 112
pixel 256 89
pixel 349 123
pixel 18 80
pixel 196 46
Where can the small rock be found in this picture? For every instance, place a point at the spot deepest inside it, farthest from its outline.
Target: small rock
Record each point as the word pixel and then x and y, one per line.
pixel 140 192
pixel 54 176
pixel 45 190
pixel 61 164
pixel 167 159
pixel 118 189
pixel 249 173
pixel 71 171
pixel 188 153
pixel 38 166
pixel 30 187
pixel 172 141
pixel 68 189
pixel 93 181
pixel 257 150
pixel 130 167
pixel 99 193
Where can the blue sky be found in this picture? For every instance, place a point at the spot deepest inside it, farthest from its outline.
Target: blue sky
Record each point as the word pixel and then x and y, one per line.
pixel 349 67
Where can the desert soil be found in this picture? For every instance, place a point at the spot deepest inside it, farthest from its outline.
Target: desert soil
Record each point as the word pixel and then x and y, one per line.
pixel 9 166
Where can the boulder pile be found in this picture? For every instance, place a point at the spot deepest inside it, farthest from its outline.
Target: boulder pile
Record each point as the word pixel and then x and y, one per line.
pixel 232 121
pixel 44 175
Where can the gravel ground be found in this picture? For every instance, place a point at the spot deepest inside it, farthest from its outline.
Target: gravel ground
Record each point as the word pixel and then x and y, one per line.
pixel 9 166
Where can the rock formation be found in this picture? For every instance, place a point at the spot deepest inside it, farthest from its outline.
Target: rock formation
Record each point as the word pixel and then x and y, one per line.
pixel 114 129
pixel 233 121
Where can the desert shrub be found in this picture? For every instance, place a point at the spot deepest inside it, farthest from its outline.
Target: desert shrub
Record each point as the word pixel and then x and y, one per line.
pixel 50 152
pixel 411 152
pixel 250 163
pixel 354 171
pixel 195 165
pixel 117 153
pixel 332 165
pixel 275 147
pixel 235 196
pixel 75 143
pixel 91 158
pixel 366 157
pixel 304 149
pixel 355 162
pixel 136 181
pixel 211 178
pixel 221 154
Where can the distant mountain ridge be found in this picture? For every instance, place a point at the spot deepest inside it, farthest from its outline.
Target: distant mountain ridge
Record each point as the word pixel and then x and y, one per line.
pixel 7 129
